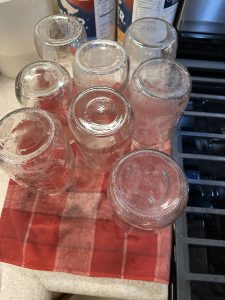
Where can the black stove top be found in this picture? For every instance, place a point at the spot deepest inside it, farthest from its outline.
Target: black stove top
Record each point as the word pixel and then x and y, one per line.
pixel 199 146
pixel 201 46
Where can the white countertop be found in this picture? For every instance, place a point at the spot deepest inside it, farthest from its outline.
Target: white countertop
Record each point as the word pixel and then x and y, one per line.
pixel 24 284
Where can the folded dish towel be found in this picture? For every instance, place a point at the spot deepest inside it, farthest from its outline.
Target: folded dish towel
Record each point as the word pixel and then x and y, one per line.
pixel 75 232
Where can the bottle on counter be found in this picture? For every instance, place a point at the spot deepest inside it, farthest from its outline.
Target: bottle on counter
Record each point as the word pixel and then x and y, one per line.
pixel 131 10
pixel 98 16
pixel 17 23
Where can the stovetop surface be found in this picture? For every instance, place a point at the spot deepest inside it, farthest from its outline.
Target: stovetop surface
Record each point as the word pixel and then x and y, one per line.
pixel 199 147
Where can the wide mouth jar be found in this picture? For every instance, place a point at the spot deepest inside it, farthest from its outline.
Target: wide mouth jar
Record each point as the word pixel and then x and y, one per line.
pixel 163 79
pixel 25 134
pixel 152 33
pixel 99 111
pixel 101 57
pixel 147 189
pixel 58 30
pixel 40 80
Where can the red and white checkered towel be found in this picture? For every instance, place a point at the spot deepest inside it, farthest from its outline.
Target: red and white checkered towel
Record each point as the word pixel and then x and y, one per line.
pixel 75 232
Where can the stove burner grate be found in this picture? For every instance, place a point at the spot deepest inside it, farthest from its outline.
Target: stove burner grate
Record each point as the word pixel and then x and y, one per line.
pixel 199 147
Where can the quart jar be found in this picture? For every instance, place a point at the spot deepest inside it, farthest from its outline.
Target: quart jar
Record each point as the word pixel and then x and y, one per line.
pixel 100 63
pixel 34 151
pixel 149 38
pixel 102 123
pixel 57 38
pixel 159 92
pixel 48 86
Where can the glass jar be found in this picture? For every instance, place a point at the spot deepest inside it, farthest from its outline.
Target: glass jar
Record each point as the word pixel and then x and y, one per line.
pixel 102 123
pixel 34 151
pixel 57 38
pixel 100 63
pixel 147 189
pixel 159 91
pixel 46 85
pixel 149 38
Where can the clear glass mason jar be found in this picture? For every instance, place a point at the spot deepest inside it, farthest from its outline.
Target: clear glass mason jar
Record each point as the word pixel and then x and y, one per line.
pixel 100 63
pixel 57 38
pixel 159 91
pixel 147 189
pixel 102 123
pixel 149 38
pixel 34 151
pixel 48 86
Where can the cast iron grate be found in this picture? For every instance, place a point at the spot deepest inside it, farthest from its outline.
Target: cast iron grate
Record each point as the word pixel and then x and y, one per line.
pixel 201 46
pixel 199 147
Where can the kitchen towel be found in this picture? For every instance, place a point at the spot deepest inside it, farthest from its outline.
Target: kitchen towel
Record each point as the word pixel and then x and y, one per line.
pixel 76 232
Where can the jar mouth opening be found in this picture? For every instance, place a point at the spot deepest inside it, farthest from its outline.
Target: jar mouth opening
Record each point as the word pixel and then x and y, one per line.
pixel 40 80
pixel 163 79
pixel 24 134
pixel 159 201
pixel 101 57
pixel 166 33
pixel 99 112
pixel 58 30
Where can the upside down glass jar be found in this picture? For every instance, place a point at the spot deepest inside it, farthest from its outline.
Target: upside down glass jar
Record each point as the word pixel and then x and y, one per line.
pixel 159 92
pixel 147 189
pixel 57 38
pixel 149 38
pixel 100 63
pixel 34 151
pixel 102 123
pixel 48 86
